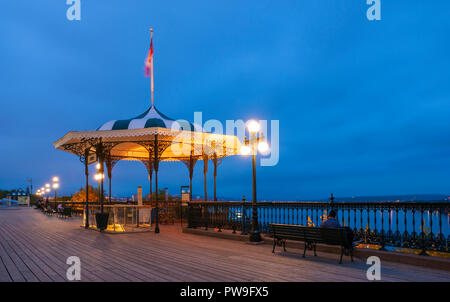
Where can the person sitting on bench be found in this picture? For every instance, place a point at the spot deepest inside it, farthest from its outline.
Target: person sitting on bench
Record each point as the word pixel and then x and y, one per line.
pixel 331 221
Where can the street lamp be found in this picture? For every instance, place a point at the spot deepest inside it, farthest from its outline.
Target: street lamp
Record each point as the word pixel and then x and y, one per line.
pixel 42 192
pixel 252 146
pixel 99 176
pixel 55 186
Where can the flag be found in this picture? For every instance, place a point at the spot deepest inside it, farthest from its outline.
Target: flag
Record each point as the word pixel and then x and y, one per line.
pixel 149 61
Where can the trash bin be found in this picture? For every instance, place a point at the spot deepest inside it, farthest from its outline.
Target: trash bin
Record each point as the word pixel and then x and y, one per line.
pixel 102 220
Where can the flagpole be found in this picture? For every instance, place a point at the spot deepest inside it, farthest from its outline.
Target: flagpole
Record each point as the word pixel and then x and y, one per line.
pixel 151 66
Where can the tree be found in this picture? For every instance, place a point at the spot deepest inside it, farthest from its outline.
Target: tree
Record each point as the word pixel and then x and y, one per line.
pixel 4 193
pixel 81 194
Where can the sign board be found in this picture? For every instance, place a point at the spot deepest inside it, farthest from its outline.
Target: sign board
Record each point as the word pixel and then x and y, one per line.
pixel 139 196
pixel 185 197
pixel 92 158
pixel 22 200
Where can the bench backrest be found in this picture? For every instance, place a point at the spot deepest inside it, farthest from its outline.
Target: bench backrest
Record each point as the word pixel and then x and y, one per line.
pixel 67 211
pixel 286 231
pixel 331 236
pixel 334 236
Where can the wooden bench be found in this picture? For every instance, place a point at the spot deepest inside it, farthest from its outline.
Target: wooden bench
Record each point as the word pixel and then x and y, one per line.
pixel 67 212
pixel 311 236
pixel 48 210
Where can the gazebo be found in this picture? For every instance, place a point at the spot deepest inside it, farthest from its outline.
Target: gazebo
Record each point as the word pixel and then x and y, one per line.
pixel 150 138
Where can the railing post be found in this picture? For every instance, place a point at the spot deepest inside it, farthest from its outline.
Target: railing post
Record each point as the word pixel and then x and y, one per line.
pixel 361 227
pixel 375 231
pixel 389 234
pixel 414 234
pixel 349 218
pixel 301 216
pixel 422 234
pixel 233 219
pixel 244 222
pixel 317 215
pixel 368 235
pixel 382 230
pixel 440 237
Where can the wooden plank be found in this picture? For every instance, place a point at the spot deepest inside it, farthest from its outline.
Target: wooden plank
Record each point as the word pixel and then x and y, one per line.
pixel 54 252
pixel 4 274
pixel 48 256
pixel 10 266
pixel 29 264
pixel 38 264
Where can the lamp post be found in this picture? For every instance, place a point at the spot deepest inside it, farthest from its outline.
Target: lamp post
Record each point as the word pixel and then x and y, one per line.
pixel 99 176
pixel 55 186
pixel 252 146
pixel 42 192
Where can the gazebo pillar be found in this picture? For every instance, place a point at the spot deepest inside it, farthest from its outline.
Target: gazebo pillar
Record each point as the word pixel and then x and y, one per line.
pixel 215 162
pixel 191 174
pixel 86 172
pixel 190 163
pixel 156 166
pixel 110 163
pixel 150 175
pixel 149 166
pixel 109 170
pixel 205 171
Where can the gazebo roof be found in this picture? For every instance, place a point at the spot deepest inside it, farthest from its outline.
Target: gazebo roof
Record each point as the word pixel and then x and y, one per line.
pixel 151 118
pixel 128 138
pixel 128 142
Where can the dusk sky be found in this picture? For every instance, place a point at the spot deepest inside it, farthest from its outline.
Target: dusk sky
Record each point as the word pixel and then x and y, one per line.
pixel 363 105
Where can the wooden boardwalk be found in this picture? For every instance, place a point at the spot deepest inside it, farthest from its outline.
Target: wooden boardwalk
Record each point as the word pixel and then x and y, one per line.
pixel 35 247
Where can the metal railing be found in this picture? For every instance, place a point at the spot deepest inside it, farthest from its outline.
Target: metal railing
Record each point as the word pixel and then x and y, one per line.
pixel 172 207
pixel 122 218
pixel 416 225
